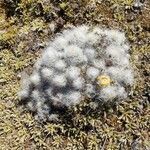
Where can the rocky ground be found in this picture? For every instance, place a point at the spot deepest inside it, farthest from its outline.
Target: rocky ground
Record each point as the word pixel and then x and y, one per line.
pixel 26 26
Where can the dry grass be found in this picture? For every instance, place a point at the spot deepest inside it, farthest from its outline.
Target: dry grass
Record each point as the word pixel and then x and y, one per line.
pixel 25 28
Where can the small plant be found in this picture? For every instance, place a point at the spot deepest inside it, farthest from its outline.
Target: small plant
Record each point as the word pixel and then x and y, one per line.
pixel 81 62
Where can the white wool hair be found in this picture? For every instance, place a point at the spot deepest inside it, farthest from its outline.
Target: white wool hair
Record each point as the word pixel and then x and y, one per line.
pixel 90 54
pixel 49 92
pixel 77 37
pixel 121 92
pixel 108 93
pixel 60 65
pixel 92 73
pixel 49 57
pixel 35 79
pixel 89 91
pixel 73 97
pixel 124 62
pixel 128 77
pixel 111 92
pixel 121 74
pixel 100 64
pixel 42 113
pixel 98 31
pixel 73 73
pixel 47 73
pixel 59 80
pixel 78 83
pixel 118 55
pixel 59 96
pixel 92 38
pixel 53 117
pixel 31 106
pixel 126 47
pixel 115 36
pixel 74 54
pixel 23 94
pixel 114 51
pixel 36 95
pixel 60 43
pixel 68 69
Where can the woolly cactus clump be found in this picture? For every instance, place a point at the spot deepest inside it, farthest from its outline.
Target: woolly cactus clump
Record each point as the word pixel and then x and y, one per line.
pixel 81 62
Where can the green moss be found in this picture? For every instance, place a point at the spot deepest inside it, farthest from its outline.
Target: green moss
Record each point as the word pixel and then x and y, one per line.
pixel 25 27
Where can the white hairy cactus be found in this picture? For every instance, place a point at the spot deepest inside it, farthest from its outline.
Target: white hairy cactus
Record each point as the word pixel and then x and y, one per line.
pixel 81 62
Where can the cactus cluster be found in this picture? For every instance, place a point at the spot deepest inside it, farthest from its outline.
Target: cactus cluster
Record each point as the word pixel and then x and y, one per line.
pixel 80 62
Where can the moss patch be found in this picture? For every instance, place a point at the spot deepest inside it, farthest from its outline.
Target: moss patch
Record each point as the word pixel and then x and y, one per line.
pixel 25 28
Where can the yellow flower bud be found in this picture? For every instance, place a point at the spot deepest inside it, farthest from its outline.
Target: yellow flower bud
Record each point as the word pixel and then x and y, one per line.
pixel 103 80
